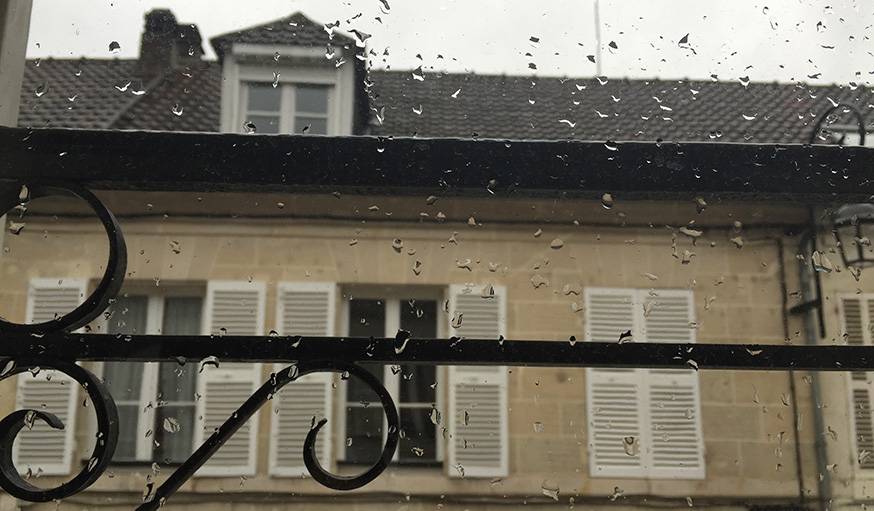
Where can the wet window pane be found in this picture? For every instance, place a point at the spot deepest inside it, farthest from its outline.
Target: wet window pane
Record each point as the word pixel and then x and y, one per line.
pixel 264 97
pixel 419 443
pixel 174 420
pixel 593 176
pixel 311 99
pixel 125 379
pixel 310 125
pixel 264 123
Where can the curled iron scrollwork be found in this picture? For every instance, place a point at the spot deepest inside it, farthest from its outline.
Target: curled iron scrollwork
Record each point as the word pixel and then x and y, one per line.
pixel 16 197
pixel 104 448
pixel 276 382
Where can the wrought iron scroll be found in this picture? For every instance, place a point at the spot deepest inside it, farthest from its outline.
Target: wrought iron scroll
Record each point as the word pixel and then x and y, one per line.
pixel 15 199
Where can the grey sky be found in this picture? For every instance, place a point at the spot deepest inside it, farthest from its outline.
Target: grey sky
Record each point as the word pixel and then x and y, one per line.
pixel 784 40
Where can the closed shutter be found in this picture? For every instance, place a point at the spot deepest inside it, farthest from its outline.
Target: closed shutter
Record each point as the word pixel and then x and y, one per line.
pixel 613 395
pixel 477 395
pixel 857 313
pixel 43 449
pixel 232 308
pixel 675 447
pixel 305 309
pixel 643 422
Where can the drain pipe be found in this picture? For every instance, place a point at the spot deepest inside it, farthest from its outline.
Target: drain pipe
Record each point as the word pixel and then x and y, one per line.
pixel 812 336
pixel 793 391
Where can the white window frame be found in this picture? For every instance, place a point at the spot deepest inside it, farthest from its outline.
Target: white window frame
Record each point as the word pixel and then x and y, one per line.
pixel 149 385
pixel 393 305
pixel 255 63
pixel 288 111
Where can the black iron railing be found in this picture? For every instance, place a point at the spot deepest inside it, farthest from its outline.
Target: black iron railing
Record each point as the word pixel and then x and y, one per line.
pixel 58 161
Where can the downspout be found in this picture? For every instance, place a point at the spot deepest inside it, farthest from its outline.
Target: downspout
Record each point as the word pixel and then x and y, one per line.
pixel 812 337
pixel 793 393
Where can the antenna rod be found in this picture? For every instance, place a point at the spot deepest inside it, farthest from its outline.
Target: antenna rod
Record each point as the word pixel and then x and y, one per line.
pixel 597 38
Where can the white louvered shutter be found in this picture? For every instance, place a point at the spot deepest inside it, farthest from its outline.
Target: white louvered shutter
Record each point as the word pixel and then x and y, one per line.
pixel 674 447
pixel 305 309
pixel 613 395
pixel 232 308
pixel 43 448
pixel 477 414
pixel 857 312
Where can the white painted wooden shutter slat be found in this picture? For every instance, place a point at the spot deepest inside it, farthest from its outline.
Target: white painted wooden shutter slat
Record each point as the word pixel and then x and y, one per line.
pixel 43 449
pixel 856 312
pixel 613 395
pixel 306 309
pixel 477 395
pixel 231 308
pixel 675 444
pixel 656 411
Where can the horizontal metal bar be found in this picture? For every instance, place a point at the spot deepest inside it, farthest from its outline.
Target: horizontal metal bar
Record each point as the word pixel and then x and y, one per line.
pixel 231 348
pixel 117 160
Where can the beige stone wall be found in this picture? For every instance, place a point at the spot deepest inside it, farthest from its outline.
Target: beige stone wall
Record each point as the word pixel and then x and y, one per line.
pixel 747 416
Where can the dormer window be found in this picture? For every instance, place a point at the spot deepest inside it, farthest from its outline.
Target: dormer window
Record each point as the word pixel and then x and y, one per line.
pixel 298 108
pixel 276 79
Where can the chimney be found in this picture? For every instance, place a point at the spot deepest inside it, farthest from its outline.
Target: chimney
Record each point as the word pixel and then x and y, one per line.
pixel 166 44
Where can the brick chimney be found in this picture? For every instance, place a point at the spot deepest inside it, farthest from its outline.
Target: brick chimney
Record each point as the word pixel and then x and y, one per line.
pixel 166 44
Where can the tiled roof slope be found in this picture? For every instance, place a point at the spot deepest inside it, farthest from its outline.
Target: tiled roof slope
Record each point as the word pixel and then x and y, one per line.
pixel 76 93
pixel 453 105
pixel 185 100
pixel 460 105
pixel 297 30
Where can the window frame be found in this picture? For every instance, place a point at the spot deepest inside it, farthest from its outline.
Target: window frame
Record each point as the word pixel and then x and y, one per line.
pixel 155 303
pixel 296 66
pixel 393 299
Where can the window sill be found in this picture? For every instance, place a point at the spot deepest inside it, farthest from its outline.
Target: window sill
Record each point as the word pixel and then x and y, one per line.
pixel 395 464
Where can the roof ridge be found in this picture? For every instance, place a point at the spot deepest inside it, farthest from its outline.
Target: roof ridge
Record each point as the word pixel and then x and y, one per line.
pixel 610 78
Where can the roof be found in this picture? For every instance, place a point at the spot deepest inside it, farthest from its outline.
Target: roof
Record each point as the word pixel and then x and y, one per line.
pixel 76 93
pixel 104 94
pixel 516 107
pixel 452 105
pixel 295 29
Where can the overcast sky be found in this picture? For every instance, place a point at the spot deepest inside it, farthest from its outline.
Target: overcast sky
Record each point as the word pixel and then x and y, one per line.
pixel 808 40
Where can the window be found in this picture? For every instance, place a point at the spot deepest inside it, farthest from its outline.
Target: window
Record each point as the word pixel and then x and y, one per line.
pixel 858 311
pixel 287 108
pixel 643 422
pixel 156 401
pixel 413 387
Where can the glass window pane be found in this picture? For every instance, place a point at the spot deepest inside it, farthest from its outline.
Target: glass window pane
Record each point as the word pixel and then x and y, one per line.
pixel 128 315
pixel 311 99
pixel 264 123
pixel 182 315
pixel 125 379
pixel 363 434
pixel 174 433
pixel 419 442
pixel 419 317
pixel 417 384
pixel 174 420
pixel 311 125
pixel 264 97
pixel 366 318
pixel 128 415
